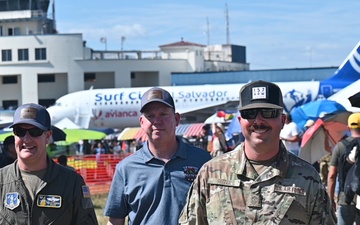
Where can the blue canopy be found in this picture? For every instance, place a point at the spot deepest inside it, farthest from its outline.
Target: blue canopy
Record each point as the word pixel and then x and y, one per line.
pixel 314 110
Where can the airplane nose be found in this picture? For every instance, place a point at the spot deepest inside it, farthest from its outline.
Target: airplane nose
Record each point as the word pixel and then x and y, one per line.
pixel 53 117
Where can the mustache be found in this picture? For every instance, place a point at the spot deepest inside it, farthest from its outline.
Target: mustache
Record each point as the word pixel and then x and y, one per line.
pixel 261 126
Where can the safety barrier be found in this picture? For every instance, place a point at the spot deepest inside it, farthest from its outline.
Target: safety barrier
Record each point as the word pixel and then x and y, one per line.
pixel 97 170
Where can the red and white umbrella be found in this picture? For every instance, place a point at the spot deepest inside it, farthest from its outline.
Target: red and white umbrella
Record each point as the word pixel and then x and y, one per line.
pixel 320 139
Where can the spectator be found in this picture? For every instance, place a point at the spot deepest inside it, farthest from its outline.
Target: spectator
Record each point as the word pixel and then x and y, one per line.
pixel 150 186
pixel 204 138
pixel 219 141
pixel 9 153
pixel 290 135
pixel 354 127
pixel 35 189
pixel 259 182
pixel 116 148
pixel 100 149
pixel 339 167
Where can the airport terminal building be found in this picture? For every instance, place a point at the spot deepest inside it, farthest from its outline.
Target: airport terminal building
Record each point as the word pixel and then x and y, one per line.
pixel 39 65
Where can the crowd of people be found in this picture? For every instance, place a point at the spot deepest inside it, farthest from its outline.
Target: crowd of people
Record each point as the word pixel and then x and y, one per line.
pixel 169 181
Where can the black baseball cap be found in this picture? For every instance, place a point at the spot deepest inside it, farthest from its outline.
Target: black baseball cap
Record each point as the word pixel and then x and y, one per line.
pixel 157 95
pixel 32 114
pixel 261 94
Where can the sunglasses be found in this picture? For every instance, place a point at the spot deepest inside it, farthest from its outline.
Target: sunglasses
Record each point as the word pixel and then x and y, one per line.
pixel 34 132
pixel 266 113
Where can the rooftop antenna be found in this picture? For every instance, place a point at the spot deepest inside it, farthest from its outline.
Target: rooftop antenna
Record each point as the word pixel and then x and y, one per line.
pixel 227 25
pixel 104 40
pixel 208 31
pixel 53 12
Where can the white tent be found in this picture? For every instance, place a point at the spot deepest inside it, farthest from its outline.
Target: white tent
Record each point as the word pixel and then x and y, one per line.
pixel 66 124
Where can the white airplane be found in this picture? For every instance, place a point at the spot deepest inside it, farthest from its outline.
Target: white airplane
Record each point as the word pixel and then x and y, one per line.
pixel 119 107
pixel 343 95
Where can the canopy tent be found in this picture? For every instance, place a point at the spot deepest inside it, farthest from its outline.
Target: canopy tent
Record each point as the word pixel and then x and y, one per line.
pixel 189 130
pixel 135 133
pixel 128 133
pixel 66 124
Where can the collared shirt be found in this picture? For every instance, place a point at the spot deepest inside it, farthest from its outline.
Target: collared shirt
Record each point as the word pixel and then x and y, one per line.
pixel 151 191
pixel 228 190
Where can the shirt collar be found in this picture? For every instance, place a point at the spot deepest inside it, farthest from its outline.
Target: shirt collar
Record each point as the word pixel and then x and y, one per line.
pixel 279 167
pixel 180 152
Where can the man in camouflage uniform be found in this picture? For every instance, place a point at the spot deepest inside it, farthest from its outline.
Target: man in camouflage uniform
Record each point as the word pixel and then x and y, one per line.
pixel 259 182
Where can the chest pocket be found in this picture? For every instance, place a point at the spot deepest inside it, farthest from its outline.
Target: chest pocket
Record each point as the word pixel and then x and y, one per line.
pixel 233 202
pixel 286 204
pixel 220 203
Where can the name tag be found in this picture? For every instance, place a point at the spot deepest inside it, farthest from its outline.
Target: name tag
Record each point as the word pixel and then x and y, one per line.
pixel 49 201
pixel 223 182
pixel 288 189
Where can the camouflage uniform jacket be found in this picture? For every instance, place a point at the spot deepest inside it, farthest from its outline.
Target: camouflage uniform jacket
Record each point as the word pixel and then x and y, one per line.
pixel 228 190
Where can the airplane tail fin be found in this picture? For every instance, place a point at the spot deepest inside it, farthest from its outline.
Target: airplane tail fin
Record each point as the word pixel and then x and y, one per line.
pixel 349 70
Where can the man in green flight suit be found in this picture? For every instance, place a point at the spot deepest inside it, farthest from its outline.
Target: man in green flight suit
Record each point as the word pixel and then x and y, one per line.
pixel 34 189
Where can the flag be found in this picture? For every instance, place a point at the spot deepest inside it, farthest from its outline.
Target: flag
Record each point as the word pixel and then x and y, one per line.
pixel 234 127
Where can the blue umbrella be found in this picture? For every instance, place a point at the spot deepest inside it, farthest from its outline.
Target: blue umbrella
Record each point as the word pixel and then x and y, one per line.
pixel 314 110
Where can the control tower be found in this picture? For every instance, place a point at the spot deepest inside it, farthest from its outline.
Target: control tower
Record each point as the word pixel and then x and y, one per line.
pixel 26 17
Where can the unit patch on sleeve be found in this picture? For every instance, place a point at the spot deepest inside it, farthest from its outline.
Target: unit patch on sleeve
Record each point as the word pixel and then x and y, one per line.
pixel 86 191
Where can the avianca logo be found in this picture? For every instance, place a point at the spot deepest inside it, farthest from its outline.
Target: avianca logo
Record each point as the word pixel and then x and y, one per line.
pixel 120 114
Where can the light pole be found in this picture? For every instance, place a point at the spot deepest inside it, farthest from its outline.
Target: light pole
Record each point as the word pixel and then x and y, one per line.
pixel 122 45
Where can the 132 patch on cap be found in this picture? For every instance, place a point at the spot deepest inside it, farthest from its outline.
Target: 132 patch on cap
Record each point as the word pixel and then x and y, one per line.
pixel 258 93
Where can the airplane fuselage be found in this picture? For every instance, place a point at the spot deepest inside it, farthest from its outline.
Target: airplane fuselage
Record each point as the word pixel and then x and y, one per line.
pixel 119 107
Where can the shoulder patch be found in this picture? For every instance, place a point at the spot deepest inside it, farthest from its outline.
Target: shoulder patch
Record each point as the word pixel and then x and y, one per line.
pixel 12 200
pixel 86 191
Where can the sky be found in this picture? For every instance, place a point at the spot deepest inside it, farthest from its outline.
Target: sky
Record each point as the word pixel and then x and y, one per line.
pixel 277 34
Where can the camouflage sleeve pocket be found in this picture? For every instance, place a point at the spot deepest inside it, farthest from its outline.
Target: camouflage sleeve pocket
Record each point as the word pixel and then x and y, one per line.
pixel 220 205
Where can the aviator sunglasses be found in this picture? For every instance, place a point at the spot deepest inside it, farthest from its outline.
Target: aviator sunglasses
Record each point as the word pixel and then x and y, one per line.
pixel 34 132
pixel 266 113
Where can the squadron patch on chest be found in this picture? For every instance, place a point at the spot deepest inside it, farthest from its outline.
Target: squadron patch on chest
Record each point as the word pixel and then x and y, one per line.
pixel 190 172
pixel 12 200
